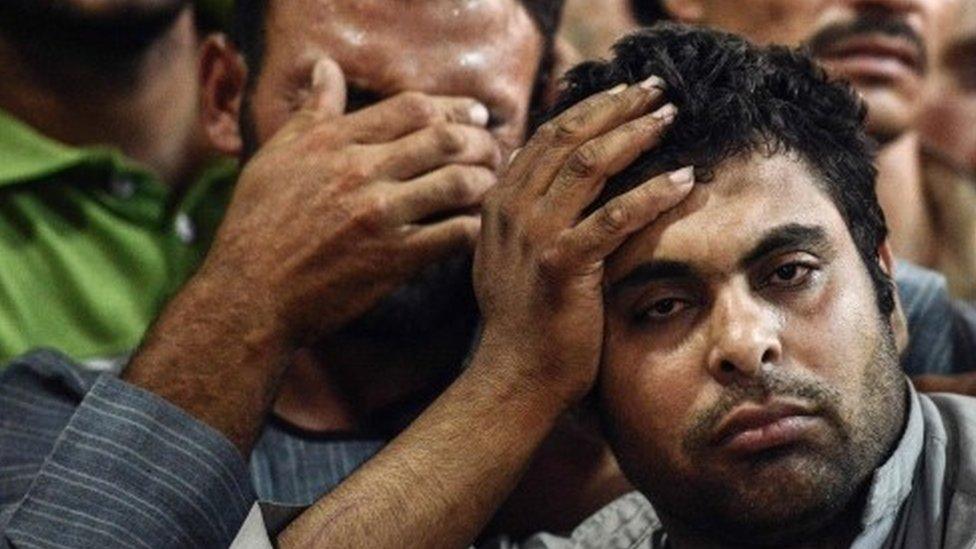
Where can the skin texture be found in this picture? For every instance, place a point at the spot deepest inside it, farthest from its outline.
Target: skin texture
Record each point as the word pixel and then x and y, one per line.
pixel 950 105
pixel 386 50
pixel 139 94
pixel 342 207
pixel 540 259
pixel 796 323
pixel 893 93
pixel 593 31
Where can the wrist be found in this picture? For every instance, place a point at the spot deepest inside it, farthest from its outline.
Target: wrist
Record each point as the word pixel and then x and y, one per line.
pixel 527 373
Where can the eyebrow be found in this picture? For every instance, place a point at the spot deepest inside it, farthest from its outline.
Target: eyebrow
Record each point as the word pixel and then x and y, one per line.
pixel 791 235
pixel 653 271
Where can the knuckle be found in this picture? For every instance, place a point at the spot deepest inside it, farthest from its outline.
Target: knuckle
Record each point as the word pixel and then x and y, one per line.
pixel 614 217
pixel 562 129
pixel 420 107
pixel 372 214
pixel 551 262
pixel 450 139
pixel 462 187
pixel 586 162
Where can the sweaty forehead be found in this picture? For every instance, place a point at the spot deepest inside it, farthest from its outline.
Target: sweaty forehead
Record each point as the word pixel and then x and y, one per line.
pixel 723 219
pixel 436 46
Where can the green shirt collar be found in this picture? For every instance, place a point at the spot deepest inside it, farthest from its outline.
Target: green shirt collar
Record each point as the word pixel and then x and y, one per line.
pixel 29 156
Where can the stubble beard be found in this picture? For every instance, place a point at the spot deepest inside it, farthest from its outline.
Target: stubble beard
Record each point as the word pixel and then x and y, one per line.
pixel 789 495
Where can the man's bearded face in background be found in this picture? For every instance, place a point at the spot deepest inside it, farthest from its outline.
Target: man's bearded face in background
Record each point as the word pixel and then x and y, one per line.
pixel 884 48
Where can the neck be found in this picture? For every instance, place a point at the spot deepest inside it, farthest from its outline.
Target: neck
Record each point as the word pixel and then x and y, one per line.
pixel 901 195
pixel 142 103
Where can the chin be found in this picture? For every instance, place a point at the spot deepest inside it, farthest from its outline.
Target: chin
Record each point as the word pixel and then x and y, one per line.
pixel 890 114
pixel 774 500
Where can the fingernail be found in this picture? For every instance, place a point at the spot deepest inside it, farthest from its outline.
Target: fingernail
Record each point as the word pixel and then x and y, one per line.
pixel 683 177
pixel 617 89
pixel 319 74
pixel 478 114
pixel 512 156
pixel 652 82
pixel 667 113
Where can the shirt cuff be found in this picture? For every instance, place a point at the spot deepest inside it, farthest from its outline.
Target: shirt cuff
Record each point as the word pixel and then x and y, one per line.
pixel 132 470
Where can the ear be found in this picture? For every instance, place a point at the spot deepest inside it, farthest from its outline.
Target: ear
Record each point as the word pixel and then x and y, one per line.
pixel 685 11
pixel 223 78
pixel 899 324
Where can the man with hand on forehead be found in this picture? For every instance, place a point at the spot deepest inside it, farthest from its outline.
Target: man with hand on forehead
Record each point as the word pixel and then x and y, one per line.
pixel 735 323
pixel 886 50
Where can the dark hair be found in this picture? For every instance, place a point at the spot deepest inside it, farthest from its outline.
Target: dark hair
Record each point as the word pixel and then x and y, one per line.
pixel 248 33
pixel 736 98
pixel 648 12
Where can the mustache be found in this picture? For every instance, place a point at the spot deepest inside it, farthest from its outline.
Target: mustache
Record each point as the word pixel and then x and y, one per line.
pixel 831 35
pixel 771 383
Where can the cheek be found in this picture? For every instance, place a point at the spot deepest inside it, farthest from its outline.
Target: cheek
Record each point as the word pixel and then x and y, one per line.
pixel 834 337
pixel 650 393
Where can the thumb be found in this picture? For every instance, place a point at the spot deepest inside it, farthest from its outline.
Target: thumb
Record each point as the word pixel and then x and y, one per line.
pixel 327 88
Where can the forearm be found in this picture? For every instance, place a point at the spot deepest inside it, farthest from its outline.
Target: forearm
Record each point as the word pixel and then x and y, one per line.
pixel 216 353
pixel 439 482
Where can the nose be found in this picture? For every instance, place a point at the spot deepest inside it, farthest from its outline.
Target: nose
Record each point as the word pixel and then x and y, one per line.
pixel 744 335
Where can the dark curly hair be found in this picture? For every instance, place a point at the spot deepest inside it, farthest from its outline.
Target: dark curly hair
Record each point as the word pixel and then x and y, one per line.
pixel 736 98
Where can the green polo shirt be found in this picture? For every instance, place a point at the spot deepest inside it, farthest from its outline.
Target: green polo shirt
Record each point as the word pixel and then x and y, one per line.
pixel 92 245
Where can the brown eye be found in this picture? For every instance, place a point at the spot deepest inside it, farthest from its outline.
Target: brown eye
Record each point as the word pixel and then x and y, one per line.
pixel 791 274
pixel 663 309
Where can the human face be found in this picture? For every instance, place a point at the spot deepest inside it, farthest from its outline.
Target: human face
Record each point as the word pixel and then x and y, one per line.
pixel 749 385
pixel 489 50
pixel 949 115
pixel 486 49
pixel 882 47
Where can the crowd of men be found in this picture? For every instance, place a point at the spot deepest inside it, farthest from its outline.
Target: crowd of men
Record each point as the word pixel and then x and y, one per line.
pixel 379 273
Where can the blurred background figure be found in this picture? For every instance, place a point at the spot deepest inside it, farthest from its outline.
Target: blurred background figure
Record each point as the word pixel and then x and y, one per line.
pixel 948 129
pixel 948 124
pixel 592 27
pixel 101 216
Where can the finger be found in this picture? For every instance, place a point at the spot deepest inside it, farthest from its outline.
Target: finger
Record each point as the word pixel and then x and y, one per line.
pixel 608 227
pixel 586 171
pixel 327 88
pixel 448 189
pixel 411 111
pixel 435 147
pixel 554 141
pixel 436 241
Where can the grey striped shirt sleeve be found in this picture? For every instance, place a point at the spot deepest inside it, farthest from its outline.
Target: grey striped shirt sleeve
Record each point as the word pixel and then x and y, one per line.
pixel 128 469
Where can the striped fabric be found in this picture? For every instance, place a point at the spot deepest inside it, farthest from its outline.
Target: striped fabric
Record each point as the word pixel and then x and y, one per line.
pixel 87 460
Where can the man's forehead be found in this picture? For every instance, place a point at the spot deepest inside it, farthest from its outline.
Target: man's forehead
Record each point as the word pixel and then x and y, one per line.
pixel 408 38
pixel 722 220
